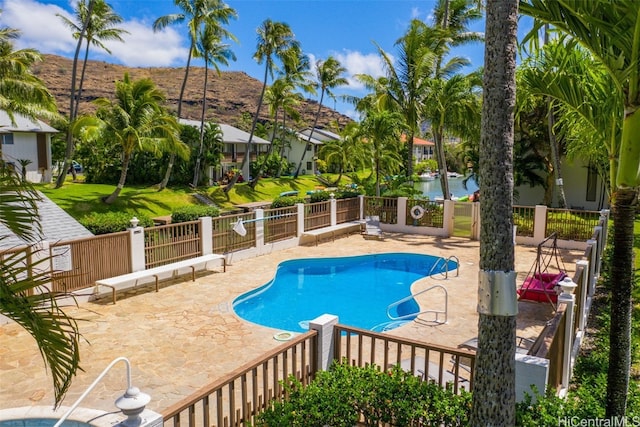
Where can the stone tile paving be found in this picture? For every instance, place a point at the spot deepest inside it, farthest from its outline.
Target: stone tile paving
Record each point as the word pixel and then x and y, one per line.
pixel 186 336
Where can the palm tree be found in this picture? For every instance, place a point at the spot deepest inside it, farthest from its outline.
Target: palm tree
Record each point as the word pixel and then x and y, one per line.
pixel 494 379
pixel 451 105
pixel 382 130
pixel 98 22
pixel 275 40
pixel 56 333
pixel 214 52
pixel 279 96
pixel 330 76
pixel 101 26
pixel 134 121
pixel 608 30
pixel 348 152
pixel 197 13
pixel 20 90
pixel 406 76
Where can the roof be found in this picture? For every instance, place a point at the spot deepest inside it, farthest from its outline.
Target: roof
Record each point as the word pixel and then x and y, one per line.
pixel 57 225
pixel 319 136
pixel 417 141
pixel 230 134
pixel 22 123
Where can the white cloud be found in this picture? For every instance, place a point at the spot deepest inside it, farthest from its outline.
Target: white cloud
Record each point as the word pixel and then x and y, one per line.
pixel 143 47
pixel 359 63
pixel 41 29
pixel 39 26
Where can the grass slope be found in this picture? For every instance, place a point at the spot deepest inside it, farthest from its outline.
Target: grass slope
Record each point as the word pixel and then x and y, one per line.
pixel 80 199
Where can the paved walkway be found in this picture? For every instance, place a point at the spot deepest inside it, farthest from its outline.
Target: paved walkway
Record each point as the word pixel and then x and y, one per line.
pixel 187 335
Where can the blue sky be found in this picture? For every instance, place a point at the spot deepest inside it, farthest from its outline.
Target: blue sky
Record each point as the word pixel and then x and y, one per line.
pixel 345 29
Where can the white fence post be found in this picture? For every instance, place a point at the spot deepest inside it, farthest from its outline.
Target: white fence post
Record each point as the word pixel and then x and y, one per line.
pixel 333 204
pixel 206 235
pixel 569 299
pixel 447 220
pixel 361 198
pixel 592 265
pixel 259 216
pixel 324 325
pixel 540 224
pixel 300 219
pixel 585 301
pixel 530 371
pixel 402 211
pixel 136 238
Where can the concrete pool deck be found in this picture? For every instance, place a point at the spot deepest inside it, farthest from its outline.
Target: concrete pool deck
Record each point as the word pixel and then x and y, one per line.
pixel 187 335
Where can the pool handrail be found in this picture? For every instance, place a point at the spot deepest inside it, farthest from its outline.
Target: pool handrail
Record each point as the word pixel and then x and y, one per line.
pixel 414 315
pixel 130 388
pixel 446 266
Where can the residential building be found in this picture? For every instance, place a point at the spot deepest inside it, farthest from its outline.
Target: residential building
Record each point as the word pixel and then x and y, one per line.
pixel 27 141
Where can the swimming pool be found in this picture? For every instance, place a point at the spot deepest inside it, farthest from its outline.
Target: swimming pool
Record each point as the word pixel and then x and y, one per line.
pixel 357 289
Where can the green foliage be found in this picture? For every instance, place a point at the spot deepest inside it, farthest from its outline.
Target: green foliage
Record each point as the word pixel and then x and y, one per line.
pixel 193 212
pixel 320 196
pixel 112 222
pixel 286 201
pixel 340 396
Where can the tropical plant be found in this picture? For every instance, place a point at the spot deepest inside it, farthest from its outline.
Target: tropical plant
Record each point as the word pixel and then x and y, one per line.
pixel 609 31
pixel 21 92
pixel 23 167
pixel 214 52
pixel 56 333
pixel 494 378
pixel 96 22
pixel 134 121
pixel 329 74
pixel 403 86
pixel 381 129
pixel 198 13
pixel 275 40
pixel 348 152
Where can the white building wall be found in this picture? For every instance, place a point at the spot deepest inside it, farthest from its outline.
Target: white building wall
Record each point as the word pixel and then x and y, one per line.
pixel 25 146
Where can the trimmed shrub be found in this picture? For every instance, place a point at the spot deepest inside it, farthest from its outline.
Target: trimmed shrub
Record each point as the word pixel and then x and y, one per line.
pixel 319 196
pixel 112 222
pixel 286 201
pixel 338 397
pixel 192 213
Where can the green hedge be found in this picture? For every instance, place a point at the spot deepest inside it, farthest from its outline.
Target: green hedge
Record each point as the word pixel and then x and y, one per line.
pixel 113 222
pixel 340 396
pixel 286 201
pixel 192 213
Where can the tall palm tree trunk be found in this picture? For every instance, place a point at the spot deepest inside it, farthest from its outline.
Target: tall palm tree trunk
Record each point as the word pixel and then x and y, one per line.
pixel 283 142
pixel 196 171
pixel 121 182
pixel 622 280
pixel 244 167
pixel 306 146
pixel 172 156
pixel 73 101
pixel 260 171
pixel 442 163
pixel 555 156
pixel 494 400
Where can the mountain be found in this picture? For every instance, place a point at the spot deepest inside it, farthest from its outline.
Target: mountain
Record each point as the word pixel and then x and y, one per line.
pixel 229 94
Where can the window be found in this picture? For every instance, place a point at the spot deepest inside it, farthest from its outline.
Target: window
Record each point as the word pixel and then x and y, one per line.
pixel 7 138
pixel 309 166
pixel 592 184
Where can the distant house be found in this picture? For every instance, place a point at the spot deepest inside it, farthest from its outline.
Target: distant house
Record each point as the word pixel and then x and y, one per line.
pixel 294 152
pixel 583 188
pixel 26 139
pixel 235 146
pixel 423 149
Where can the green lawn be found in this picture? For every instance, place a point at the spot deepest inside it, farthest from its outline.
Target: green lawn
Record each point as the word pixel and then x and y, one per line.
pixel 80 199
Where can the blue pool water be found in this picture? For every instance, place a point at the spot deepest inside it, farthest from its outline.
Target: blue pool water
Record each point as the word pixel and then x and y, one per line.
pixel 357 289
